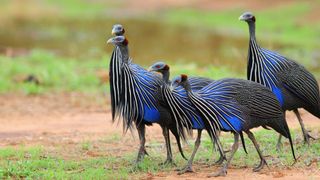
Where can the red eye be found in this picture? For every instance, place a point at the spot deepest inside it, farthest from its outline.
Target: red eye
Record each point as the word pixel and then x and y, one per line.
pixel 158 66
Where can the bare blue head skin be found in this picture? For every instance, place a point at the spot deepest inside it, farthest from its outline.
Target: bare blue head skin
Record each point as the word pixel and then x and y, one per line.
pixel 181 80
pixel 162 68
pixel 250 19
pixel 117 30
pixel 122 43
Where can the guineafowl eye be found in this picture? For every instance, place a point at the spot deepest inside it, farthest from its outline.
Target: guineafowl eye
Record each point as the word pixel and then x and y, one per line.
pixel 158 66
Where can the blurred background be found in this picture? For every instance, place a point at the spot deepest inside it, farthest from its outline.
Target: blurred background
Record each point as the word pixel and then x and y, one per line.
pixel 60 45
pixel 55 117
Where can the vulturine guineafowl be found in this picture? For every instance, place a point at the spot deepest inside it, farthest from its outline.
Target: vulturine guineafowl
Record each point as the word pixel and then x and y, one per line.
pixel 237 105
pixel 135 95
pixel 294 86
pixel 187 118
pixel 196 83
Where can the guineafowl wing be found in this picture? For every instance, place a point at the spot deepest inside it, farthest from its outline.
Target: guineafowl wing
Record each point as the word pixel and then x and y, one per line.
pixel 302 83
pixel 260 100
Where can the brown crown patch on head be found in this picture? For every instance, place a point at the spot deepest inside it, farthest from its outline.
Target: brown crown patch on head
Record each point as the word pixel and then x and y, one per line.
pixel 184 77
pixel 166 67
pixel 253 18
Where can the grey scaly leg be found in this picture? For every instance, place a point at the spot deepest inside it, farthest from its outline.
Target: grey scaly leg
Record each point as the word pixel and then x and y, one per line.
pixel 223 170
pixel 221 158
pixel 262 160
pixel 279 144
pixel 188 167
pixel 306 135
pixel 142 149
pixel 169 160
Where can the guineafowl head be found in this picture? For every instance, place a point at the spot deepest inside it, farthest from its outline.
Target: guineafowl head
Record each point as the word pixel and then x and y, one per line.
pixel 160 67
pixel 181 80
pixel 117 30
pixel 120 41
pixel 248 17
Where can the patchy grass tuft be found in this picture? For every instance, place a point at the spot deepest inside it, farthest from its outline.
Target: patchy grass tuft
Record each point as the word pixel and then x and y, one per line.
pixel 40 163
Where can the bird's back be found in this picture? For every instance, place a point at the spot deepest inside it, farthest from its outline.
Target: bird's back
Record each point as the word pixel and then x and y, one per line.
pixel 249 103
pixel 199 82
pixel 302 88
pixel 294 86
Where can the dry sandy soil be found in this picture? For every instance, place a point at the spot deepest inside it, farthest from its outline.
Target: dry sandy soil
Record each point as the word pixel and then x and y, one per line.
pixel 67 119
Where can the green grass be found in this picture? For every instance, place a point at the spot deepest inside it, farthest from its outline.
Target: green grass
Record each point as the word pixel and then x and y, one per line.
pixel 31 163
pixel 285 24
pixel 40 163
pixel 58 74
pixel 54 73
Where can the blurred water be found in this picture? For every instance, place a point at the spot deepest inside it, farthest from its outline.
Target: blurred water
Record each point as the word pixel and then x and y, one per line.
pixel 148 40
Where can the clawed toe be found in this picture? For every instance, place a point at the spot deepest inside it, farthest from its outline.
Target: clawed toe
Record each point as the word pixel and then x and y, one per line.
pixel 167 162
pixel 260 166
pixel 222 172
pixel 219 161
pixel 307 138
pixel 187 169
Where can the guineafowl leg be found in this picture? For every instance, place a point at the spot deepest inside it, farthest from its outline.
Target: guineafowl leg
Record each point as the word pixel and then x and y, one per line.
pixel 188 167
pixel 279 144
pixel 221 158
pixel 223 170
pixel 217 145
pixel 166 135
pixel 263 161
pixel 306 135
pixel 142 150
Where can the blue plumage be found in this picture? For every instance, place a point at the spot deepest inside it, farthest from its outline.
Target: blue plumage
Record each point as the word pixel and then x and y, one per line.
pixel 293 85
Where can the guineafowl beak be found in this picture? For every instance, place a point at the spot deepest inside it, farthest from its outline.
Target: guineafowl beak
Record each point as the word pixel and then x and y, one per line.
pixel 113 32
pixel 110 41
pixel 152 68
pixel 242 18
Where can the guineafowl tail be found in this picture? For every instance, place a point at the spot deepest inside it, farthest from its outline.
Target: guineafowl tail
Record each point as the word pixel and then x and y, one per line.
pixel 176 135
pixel 281 126
pixel 243 143
pixel 290 140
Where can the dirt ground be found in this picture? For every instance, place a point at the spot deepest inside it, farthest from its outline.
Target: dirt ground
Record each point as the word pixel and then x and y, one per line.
pixel 67 119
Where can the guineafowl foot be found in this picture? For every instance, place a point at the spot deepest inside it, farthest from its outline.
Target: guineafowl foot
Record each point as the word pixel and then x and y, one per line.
pixel 219 161
pixel 260 166
pixel 222 172
pixel 187 169
pixel 168 162
pixel 307 138
pixel 141 154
